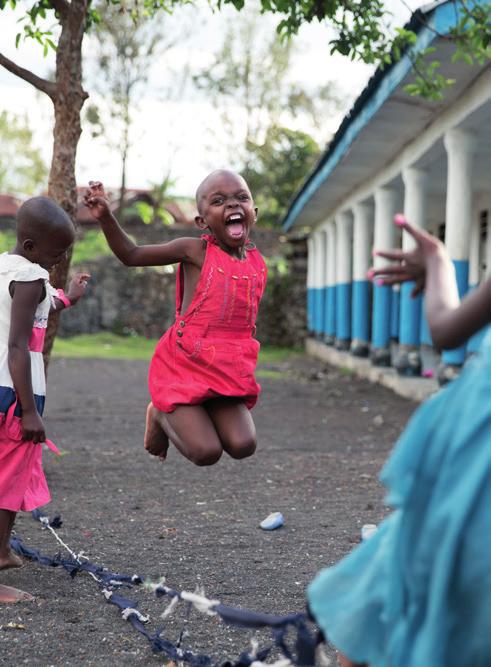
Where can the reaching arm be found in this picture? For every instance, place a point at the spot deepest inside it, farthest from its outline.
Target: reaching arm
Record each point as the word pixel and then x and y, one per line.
pixel 76 289
pixel 25 299
pixel 451 322
pixel 180 250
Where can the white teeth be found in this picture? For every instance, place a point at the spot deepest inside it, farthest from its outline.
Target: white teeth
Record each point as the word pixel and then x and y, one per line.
pixel 234 217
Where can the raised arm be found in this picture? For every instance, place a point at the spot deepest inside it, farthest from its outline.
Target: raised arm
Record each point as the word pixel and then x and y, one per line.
pixel 25 298
pixel 180 250
pixel 451 322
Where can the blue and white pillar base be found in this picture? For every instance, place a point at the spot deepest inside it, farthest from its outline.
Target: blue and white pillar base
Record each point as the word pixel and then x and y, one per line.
pixel 460 146
pixel 343 280
pixel 409 357
pixel 330 311
pixel 386 201
pixel 361 296
pixel 310 286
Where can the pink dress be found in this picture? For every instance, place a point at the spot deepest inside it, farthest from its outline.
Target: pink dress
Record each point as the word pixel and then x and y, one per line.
pixel 211 351
pixel 22 481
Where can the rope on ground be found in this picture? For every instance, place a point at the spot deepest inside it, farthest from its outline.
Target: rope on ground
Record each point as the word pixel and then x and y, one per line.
pixel 305 641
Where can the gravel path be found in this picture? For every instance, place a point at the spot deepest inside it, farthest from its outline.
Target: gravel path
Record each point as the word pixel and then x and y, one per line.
pixel 323 436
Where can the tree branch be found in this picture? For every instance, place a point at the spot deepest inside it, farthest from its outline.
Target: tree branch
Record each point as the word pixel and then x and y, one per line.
pixel 60 6
pixel 43 85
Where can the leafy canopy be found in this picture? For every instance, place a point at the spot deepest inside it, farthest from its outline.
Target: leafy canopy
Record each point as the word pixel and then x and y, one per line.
pixel 360 30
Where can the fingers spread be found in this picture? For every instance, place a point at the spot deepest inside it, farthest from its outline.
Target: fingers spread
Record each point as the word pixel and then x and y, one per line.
pixel 393 255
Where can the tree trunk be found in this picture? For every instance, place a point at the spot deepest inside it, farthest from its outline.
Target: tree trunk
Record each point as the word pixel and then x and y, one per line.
pixel 68 100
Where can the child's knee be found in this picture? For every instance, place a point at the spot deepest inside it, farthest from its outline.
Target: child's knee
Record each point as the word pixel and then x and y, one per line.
pixel 206 456
pixel 241 449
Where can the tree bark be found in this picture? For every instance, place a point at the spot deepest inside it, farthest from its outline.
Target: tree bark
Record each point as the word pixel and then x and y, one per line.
pixel 68 99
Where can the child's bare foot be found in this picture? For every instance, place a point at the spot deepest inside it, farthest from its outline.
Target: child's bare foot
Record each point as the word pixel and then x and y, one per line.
pixel 10 560
pixel 156 441
pixel 9 594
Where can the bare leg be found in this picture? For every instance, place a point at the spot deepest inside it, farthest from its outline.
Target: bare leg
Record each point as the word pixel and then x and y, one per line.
pixel 8 558
pixel 234 425
pixel 191 430
pixel 155 441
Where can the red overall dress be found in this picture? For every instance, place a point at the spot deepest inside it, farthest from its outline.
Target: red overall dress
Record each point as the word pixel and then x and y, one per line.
pixel 210 351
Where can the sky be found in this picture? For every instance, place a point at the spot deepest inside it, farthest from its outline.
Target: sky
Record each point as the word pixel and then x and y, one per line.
pixel 167 132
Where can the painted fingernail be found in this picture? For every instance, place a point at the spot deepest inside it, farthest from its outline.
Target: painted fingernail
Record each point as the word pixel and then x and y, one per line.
pixel 374 252
pixel 399 219
pixel 379 282
pixel 370 274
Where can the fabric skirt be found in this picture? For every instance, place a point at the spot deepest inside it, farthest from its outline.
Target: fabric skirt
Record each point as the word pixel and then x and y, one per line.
pixel 22 481
pixel 418 592
pixel 193 369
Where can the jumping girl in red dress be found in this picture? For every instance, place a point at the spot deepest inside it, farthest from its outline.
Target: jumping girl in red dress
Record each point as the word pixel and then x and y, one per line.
pixel 201 376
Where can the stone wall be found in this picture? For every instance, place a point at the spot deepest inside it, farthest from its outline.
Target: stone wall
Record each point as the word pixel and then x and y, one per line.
pixel 142 300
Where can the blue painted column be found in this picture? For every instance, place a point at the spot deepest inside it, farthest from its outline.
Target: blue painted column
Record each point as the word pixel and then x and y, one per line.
pixel 386 200
pixel 325 293
pixel 362 244
pixel 409 358
pixel 319 272
pixel 330 314
pixel 343 280
pixel 310 286
pixel 460 146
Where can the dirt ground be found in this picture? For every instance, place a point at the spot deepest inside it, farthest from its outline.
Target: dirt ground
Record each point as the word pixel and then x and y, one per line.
pixel 323 436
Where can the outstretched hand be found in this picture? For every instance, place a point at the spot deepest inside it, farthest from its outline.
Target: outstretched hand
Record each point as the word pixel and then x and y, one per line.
pixel 411 265
pixel 96 200
pixel 77 286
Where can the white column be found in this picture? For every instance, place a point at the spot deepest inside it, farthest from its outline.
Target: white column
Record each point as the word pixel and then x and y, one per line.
pixel 320 261
pixel 362 241
pixel 331 283
pixel 310 283
pixel 343 279
pixel 386 200
pixel 415 182
pixel 362 245
pixel 460 145
pixel 409 360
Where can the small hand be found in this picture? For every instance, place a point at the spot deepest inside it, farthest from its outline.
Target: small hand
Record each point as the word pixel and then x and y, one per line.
pixel 96 200
pixel 77 286
pixel 32 427
pixel 411 265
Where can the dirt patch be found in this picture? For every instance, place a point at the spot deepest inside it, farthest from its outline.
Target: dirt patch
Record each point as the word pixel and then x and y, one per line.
pixel 323 436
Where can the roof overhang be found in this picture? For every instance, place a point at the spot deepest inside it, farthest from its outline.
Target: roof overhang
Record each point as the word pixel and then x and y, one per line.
pixel 382 122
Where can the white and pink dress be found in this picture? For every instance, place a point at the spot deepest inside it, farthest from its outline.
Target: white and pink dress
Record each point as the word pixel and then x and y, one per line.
pixel 22 482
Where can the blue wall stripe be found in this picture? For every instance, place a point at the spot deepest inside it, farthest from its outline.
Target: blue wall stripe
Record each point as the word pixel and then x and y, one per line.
pixel 395 304
pixel 310 308
pixel 425 335
pixel 457 356
pixel 331 311
pixel 343 311
pixel 410 316
pixel 319 310
pixel 382 297
pixel 360 310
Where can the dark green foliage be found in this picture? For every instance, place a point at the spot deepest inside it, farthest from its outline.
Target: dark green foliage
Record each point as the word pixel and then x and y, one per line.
pixel 277 168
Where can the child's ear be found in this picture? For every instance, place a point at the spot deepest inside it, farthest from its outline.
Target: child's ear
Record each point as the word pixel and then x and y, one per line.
pixel 255 214
pixel 200 222
pixel 28 245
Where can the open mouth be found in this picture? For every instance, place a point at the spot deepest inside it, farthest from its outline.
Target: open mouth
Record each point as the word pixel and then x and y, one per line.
pixel 235 225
